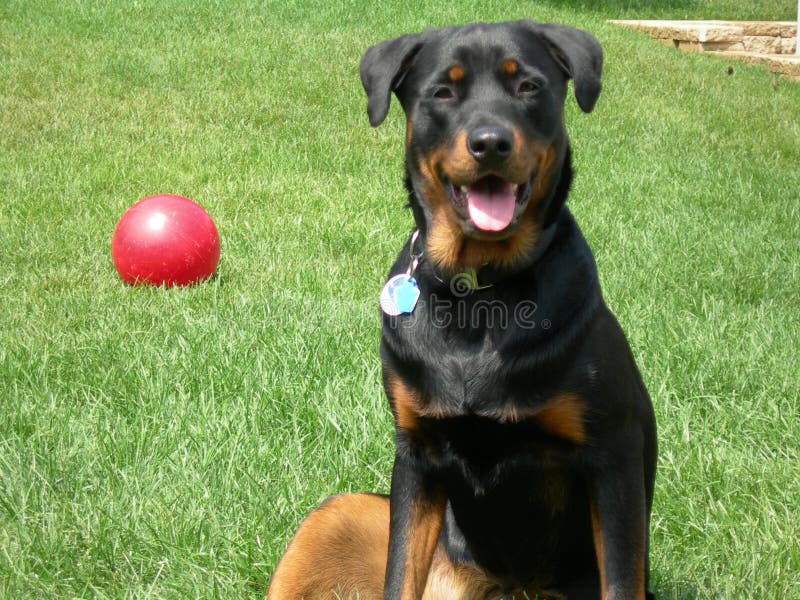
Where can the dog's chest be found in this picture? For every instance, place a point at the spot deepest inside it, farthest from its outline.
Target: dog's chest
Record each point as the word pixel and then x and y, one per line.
pixel 475 380
pixel 473 375
pixel 469 377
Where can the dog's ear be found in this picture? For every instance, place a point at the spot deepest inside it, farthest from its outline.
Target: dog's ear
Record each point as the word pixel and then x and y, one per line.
pixel 382 69
pixel 579 55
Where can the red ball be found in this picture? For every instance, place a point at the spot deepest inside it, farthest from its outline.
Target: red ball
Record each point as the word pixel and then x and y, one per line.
pixel 165 240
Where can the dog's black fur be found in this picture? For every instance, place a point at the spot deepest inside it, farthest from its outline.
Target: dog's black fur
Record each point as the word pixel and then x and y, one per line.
pixel 525 438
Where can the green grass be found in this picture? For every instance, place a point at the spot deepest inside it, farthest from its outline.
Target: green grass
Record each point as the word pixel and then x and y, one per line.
pixel 166 443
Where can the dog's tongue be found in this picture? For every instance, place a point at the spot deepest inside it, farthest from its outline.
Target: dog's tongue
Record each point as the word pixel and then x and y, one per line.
pixel 491 202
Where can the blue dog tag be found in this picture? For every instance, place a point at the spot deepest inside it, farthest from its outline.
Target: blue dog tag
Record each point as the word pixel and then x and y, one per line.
pixel 399 295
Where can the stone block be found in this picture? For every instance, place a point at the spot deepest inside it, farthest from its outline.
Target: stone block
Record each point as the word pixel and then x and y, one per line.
pixel 689 46
pixel 689 31
pixel 777 63
pixel 722 47
pixel 770 28
pixel 762 44
pixel 697 32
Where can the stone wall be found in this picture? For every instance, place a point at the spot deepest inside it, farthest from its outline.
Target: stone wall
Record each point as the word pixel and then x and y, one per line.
pixel 771 43
pixel 763 37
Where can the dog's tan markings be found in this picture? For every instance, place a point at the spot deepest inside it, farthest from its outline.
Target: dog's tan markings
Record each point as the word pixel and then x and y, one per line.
pixel 606 592
pixel 456 73
pixel 544 178
pixel 405 402
pixel 505 253
pixel 457 164
pixel 523 160
pixel 339 551
pixel 423 538
pixel 409 132
pixel 509 67
pixel 599 548
pixel 641 593
pixel 445 237
pixel 448 580
pixel 563 417
pixel 445 241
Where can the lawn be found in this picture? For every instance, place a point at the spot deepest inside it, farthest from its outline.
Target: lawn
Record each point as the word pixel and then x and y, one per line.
pixel 165 443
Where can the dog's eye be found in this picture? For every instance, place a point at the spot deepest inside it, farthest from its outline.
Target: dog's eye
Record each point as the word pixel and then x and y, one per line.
pixel 528 87
pixel 443 93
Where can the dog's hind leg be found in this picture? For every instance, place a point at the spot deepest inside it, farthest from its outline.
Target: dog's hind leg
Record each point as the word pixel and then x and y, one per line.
pixel 338 553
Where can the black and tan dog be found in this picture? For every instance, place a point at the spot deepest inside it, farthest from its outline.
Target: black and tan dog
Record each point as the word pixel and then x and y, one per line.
pixel 525 439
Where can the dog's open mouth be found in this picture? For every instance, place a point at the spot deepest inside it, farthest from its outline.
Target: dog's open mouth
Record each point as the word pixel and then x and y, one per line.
pixel 491 204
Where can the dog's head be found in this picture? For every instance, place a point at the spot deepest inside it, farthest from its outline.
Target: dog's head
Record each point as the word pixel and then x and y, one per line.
pixel 485 137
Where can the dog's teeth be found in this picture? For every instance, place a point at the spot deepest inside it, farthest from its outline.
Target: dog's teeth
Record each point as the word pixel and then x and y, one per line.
pixel 464 189
pixel 514 188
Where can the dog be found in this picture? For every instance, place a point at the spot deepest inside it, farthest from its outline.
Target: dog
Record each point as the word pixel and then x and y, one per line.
pixel 525 439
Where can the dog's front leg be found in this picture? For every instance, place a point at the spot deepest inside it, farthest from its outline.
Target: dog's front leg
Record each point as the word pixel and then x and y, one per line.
pixel 619 524
pixel 417 506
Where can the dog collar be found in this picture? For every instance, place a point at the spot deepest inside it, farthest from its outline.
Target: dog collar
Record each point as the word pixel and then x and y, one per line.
pixel 401 293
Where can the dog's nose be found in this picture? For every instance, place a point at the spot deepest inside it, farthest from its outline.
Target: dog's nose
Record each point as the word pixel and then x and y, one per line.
pixel 490 144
